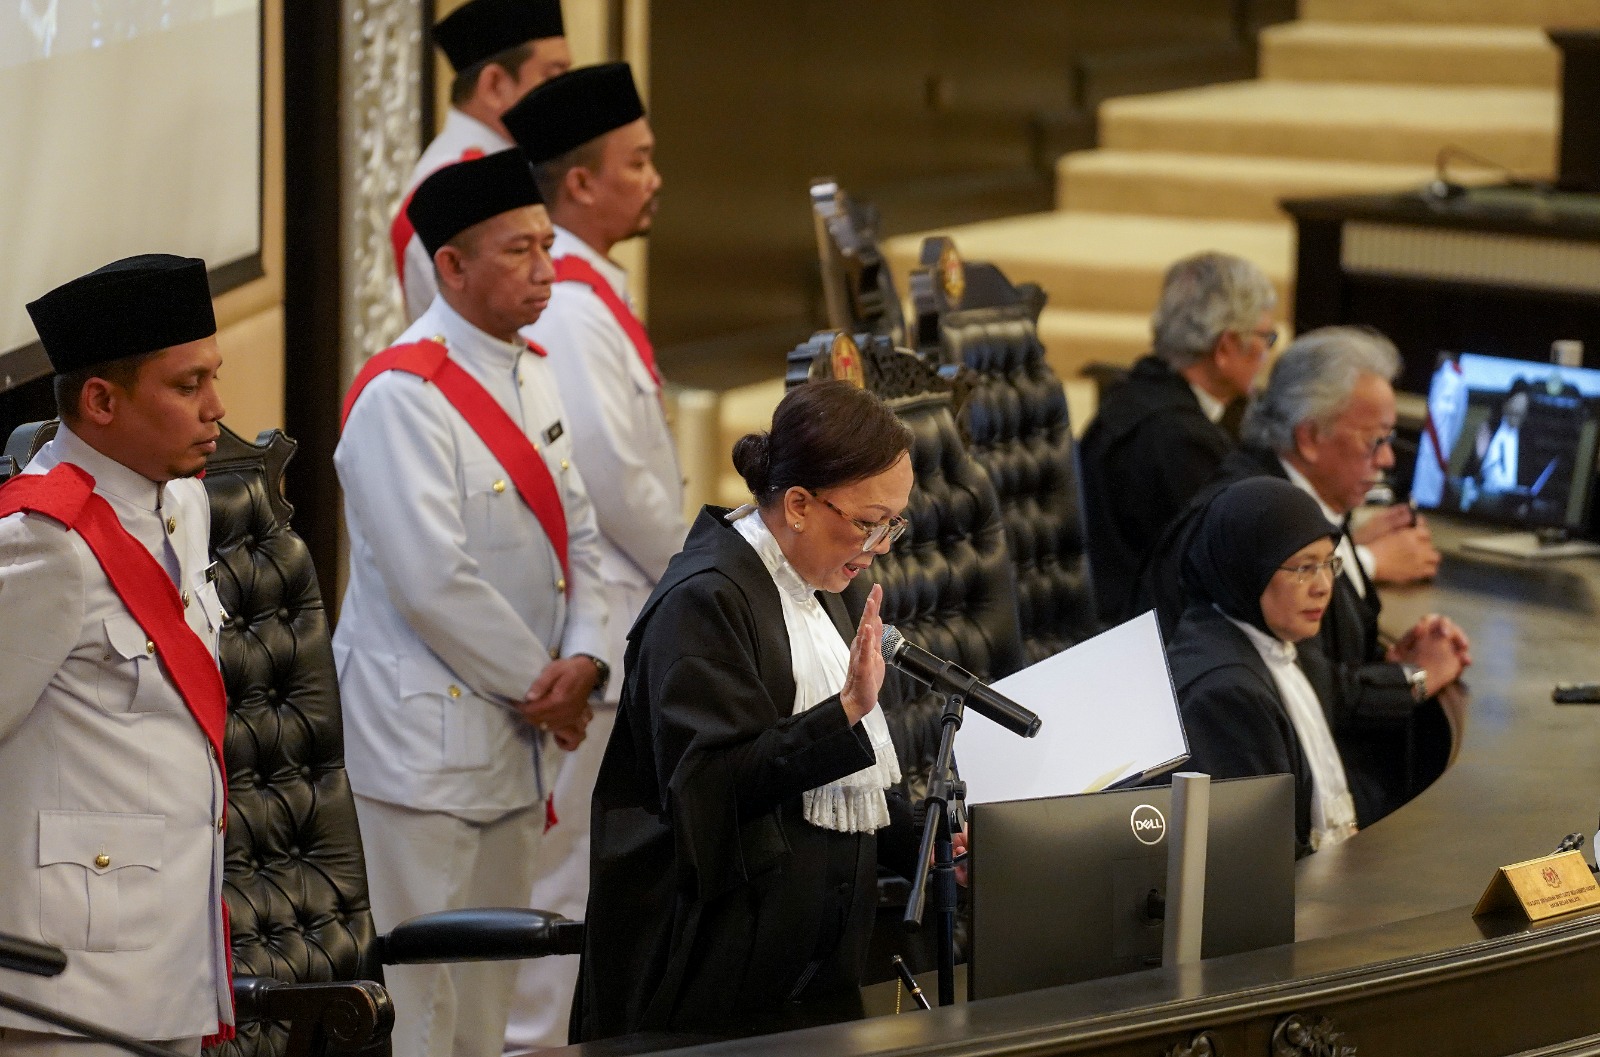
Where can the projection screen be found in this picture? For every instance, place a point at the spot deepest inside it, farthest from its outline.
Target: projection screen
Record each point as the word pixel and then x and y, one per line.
pixel 126 126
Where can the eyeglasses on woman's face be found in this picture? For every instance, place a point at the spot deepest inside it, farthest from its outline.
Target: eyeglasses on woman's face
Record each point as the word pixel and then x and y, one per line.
pixel 1304 571
pixel 873 532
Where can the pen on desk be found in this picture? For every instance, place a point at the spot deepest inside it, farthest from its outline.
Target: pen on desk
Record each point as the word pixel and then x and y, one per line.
pixel 910 982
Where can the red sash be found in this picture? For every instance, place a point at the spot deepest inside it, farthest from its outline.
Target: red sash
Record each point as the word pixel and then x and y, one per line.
pixel 574 269
pixel 66 494
pixel 505 440
pixel 401 230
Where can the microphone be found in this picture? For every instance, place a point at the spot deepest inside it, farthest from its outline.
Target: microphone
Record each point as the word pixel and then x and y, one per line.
pixel 946 678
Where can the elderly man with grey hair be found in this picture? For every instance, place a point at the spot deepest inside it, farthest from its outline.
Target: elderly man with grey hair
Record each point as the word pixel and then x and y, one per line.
pixel 1325 422
pixel 1156 440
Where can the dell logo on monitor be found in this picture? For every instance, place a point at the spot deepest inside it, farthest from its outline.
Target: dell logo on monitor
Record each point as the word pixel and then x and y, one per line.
pixel 1148 824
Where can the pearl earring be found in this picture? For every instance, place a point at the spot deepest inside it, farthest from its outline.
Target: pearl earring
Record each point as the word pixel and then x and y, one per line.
pixel 797 526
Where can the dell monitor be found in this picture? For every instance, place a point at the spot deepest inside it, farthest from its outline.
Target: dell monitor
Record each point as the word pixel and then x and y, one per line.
pixel 1073 888
pixel 1510 442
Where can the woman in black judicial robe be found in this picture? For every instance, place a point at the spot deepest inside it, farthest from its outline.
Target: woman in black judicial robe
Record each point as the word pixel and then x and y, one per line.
pixel 733 864
pixel 1259 572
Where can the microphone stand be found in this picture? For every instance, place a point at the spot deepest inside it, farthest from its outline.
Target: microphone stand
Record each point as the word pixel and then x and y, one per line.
pixel 944 790
pixel 80 1028
pixel 41 959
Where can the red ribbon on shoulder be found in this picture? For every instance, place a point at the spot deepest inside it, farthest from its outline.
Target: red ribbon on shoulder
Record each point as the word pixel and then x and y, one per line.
pixel 66 494
pixel 574 269
pixel 505 440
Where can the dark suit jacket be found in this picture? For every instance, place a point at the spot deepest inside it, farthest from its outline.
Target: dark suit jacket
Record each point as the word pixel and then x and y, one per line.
pixel 1232 714
pixel 1148 451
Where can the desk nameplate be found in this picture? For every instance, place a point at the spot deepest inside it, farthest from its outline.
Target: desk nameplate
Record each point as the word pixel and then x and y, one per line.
pixel 1542 888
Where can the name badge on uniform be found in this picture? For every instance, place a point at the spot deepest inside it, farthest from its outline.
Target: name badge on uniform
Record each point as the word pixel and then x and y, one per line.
pixel 553 434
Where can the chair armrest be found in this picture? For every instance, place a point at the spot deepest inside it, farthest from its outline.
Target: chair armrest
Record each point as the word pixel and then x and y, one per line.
pixel 480 934
pixel 343 1017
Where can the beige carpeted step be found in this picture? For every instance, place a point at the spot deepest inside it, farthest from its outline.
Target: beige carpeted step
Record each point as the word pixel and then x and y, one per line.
pixel 1216 185
pixel 1458 12
pixel 1353 122
pixel 1074 338
pixel 1386 53
pixel 1103 262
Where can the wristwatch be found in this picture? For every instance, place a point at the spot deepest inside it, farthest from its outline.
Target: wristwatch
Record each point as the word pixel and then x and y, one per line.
pixel 1418 680
pixel 602 671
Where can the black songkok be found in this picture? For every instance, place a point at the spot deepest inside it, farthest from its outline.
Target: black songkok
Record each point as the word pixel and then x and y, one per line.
pixel 1250 529
pixel 136 305
pixel 568 111
pixel 470 192
pixel 481 29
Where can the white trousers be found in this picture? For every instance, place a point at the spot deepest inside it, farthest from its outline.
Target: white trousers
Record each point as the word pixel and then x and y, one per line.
pixel 542 1003
pixel 15 1042
pixel 422 861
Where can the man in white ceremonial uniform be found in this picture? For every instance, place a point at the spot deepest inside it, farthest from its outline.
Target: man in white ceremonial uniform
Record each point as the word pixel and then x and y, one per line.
pixel 111 708
pixel 473 624
pixel 499 49
pixel 592 149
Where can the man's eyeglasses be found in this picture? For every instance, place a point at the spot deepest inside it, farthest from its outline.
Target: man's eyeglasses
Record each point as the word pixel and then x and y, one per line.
pixel 1372 446
pixel 1269 338
pixel 1306 570
pixel 873 532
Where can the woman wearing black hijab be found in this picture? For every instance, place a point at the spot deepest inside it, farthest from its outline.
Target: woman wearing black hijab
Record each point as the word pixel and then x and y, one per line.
pixel 1259 574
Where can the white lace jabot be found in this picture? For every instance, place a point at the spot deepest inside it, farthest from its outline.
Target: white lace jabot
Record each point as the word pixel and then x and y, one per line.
pixel 1333 809
pixel 820 658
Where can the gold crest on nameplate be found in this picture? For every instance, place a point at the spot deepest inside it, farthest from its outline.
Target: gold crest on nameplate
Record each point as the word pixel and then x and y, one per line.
pixel 952 274
pixel 845 360
pixel 1542 888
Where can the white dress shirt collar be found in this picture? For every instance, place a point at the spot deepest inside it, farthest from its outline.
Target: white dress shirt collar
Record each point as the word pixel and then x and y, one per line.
pixel 110 476
pixel 471 346
pixel 1210 406
pixel 460 126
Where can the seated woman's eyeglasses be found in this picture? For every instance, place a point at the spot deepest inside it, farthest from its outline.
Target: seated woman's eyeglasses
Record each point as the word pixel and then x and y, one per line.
pixel 1306 570
pixel 874 532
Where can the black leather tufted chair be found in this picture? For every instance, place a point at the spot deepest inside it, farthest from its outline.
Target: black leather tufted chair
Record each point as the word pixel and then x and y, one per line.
pixel 948 583
pixel 1014 416
pixel 856 281
pixel 307 962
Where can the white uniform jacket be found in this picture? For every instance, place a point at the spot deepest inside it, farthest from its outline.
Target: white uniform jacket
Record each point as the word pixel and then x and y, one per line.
pixel 456 598
pixel 112 811
pixel 625 449
pixel 461 134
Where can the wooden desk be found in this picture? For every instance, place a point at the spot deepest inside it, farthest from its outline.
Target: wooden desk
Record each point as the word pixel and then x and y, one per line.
pixel 1388 951
pixel 1529 770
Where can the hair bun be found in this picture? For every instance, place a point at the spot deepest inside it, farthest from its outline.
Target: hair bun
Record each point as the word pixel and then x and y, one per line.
pixel 752 458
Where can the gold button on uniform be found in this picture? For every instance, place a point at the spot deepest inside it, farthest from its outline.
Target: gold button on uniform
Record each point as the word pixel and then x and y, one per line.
pixel 222 824
pixel 499 486
pixel 561 585
pixel 554 653
pixel 102 860
pixel 184 598
pixel 454 691
pixel 149 647
pixel 565 465
pixel 172 525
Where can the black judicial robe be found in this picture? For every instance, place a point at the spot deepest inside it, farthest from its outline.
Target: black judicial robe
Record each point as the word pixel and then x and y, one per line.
pixel 1232 714
pixel 1149 450
pixel 714 907
pixel 1393 747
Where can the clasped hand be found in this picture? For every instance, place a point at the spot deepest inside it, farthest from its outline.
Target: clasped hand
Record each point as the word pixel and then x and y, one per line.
pixel 558 700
